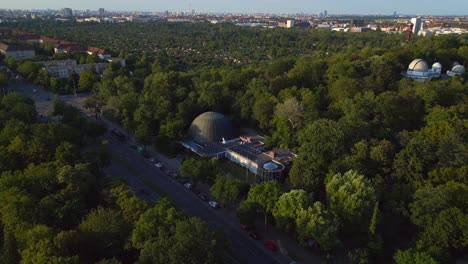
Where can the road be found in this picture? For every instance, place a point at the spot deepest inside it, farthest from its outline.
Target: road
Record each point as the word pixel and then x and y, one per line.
pixel 243 248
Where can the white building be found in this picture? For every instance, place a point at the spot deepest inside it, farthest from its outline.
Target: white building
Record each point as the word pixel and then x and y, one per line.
pixel 417 23
pixel 290 23
pixel 457 69
pixel 419 70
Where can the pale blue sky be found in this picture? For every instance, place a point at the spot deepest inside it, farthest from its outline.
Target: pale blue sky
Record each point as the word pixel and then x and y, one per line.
pixel 446 7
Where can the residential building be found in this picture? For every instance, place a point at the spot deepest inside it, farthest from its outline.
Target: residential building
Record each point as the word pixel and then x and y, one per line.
pixel 417 23
pixel 17 52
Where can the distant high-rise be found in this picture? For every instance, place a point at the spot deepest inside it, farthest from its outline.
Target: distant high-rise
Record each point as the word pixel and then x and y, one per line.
pixel 356 23
pixel 321 15
pixel 102 11
pixel 394 14
pixel 290 23
pixel 416 21
pixel 67 12
pixel 325 13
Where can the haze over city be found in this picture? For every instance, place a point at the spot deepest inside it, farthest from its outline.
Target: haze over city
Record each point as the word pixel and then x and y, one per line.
pixel 449 7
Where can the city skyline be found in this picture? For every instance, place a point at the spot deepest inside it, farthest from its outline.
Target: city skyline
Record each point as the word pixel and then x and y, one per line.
pixel 449 7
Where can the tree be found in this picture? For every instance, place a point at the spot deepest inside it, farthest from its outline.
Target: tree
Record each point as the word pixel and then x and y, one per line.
pixel 87 80
pixel 351 199
pixel 154 221
pixel 104 232
pixel 263 108
pixel 288 206
pixel 191 241
pixel 264 195
pixel 320 144
pixel 227 189
pixel 317 223
pixel 199 169
pixel 411 257
pixel 66 154
pixel 292 111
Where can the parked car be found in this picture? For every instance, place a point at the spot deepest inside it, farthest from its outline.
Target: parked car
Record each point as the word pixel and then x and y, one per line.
pixel 158 164
pixel 188 185
pixel 253 234
pixel 153 160
pixel 174 175
pixel 167 172
pixel 203 197
pixel 270 245
pixel 214 204
pixel 196 190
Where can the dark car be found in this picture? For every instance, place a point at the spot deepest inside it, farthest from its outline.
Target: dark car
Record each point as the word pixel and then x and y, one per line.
pixel 119 135
pixel 196 190
pixel 253 234
pixel 203 197
pixel 167 172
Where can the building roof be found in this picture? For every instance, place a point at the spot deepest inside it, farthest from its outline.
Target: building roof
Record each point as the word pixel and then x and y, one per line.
pixel 418 65
pixel 96 50
pixel 458 69
pixel 211 127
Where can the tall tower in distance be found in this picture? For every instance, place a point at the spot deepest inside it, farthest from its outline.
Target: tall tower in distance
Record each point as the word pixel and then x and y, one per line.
pixel 67 12
pixel 102 11
pixel 416 21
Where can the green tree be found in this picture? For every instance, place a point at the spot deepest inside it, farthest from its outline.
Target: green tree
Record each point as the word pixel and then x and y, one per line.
pixel 320 144
pixel 87 80
pixel 264 196
pixel 351 199
pixel 317 223
pixel 191 241
pixel 227 189
pixel 104 232
pixel 288 206
pixel 411 257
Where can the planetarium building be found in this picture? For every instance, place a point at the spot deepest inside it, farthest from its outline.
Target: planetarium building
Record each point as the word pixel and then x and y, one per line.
pixel 211 134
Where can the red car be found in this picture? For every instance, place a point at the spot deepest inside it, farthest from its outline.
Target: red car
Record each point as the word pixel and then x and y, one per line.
pixel 270 245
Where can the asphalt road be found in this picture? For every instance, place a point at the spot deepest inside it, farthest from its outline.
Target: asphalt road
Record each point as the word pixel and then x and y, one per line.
pixel 246 249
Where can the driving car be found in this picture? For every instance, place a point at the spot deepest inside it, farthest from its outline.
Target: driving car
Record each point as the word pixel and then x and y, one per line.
pixel 153 160
pixel 214 204
pixel 159 165
pixel 188 185
pixel 270 245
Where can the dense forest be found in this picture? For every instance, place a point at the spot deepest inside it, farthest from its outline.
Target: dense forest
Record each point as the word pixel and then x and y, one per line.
pixel 56 206
pixel 381 168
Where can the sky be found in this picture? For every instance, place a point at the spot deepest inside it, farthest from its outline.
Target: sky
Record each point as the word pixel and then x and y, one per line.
pixel 419 7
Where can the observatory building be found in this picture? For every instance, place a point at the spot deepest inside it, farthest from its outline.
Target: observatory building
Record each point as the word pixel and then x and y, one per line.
pixel 419 70
pixel 457 69
pixel 211 134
